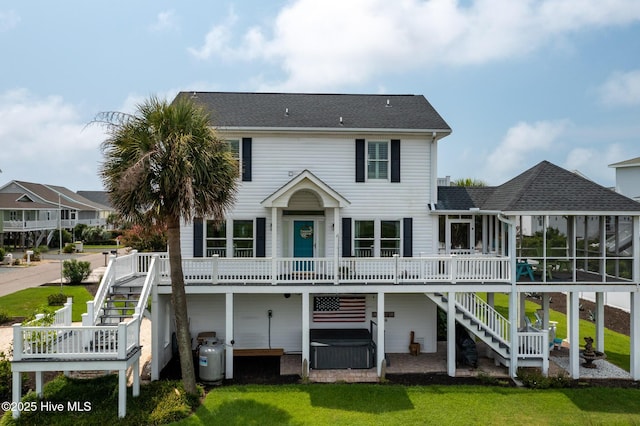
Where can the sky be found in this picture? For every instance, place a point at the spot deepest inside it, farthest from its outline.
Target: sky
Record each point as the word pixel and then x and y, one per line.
pixel 518 81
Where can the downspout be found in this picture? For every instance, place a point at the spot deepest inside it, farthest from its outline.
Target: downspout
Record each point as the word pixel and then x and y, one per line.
pixel 513 296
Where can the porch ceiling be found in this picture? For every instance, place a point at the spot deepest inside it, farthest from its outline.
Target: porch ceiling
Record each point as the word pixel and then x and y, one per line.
pixel 306 181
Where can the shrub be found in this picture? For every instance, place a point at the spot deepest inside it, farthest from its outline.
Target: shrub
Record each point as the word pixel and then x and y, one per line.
pixel 5 377
pixel 55 240
pixel 75 272
pixel 2 253
pixel 533 378
pixel 43 248
pixel 16 262
pixel 57 299
pixel 69 248
pixel 4 317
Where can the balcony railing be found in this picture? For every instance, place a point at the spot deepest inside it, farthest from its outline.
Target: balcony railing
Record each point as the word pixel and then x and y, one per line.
pixel 351 270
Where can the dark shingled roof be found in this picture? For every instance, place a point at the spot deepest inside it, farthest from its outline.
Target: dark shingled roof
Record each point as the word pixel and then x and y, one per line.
pixel 301 110
pixel 543 188
pixel 100 197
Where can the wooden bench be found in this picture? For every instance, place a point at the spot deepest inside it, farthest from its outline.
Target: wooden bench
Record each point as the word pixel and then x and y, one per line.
pixel 258 352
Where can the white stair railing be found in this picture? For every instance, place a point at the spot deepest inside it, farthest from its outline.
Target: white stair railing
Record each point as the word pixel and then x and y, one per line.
pixel 491 319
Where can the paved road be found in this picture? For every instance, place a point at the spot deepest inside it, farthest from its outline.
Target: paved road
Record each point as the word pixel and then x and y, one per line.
pixel 13 279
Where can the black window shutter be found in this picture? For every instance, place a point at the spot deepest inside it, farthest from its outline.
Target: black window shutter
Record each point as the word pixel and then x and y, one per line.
pixel 395 160
pixel 261 225
pixel 360 160
pixel 346 237
pixel 198 237
pixel 407 237
pixel 246 159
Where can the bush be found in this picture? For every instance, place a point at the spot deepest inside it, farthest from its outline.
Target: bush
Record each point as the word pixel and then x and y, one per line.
pixel 43 248
pixel 69 248
pixel 533 378
pixel 5 377
pixel 2 253
pixel 55 240
pixel 16 262
pixel 4 317
pixel 57 299
pixel 75 272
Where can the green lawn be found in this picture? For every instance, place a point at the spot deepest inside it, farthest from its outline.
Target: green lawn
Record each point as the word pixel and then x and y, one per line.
pixel 25 303
pixel 337 404
pixel 360 404
pixel 617 346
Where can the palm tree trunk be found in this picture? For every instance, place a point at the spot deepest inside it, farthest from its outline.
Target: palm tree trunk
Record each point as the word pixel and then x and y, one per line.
pixel 179 301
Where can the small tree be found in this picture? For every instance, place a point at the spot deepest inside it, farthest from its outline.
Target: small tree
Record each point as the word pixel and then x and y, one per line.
pixel 75 272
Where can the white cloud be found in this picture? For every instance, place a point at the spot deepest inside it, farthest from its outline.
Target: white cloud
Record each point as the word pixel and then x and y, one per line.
pixel 523 146
pixel 46 140
pixel 165 21
pixel 593 162
pixel 323 45
pixel 621 89
pixel 8 20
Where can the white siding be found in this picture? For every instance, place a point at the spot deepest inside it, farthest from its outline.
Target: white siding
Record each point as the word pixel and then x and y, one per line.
pixel 628 181
pixel 277 160
pixel 412 312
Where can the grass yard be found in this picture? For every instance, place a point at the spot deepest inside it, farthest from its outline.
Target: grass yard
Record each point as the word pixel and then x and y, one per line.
pixel 336 404
pixel 361 404
pixel 30 301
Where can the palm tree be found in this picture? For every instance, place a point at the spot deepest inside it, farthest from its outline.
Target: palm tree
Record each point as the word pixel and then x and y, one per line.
pixel 468 182
pixel 161 164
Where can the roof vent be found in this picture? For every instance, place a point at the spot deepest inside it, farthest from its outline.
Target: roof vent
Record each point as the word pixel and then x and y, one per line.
pixel 286 112
pixel 388 105
pixel 341 122
pixel 194 95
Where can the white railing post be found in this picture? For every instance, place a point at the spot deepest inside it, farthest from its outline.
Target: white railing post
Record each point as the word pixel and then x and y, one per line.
pixel 122 340
pixel 18 347
pixel 134 262
pixel 396 274
pixel 68 311
pixel 274 271
pixel 90 313
pixel 214 269
pixel 454 269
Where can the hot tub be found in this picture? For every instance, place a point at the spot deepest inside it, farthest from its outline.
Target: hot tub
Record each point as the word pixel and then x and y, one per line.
pixel 341 348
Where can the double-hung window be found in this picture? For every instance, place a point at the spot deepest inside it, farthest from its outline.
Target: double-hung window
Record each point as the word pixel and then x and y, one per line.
pixel 243 238
pixel 377 159
pixel 389 238
pixel 216 238
pixel 234 148
pixel 364 238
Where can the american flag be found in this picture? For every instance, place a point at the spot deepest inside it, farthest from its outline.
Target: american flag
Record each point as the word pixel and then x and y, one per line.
pixel 339 309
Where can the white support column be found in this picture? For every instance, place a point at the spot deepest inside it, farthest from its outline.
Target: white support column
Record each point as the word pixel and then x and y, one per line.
pixel 39 382
pixel 513 329
pixel 305 334
pixel 16 392
pixel 521 310
pixel 274 245
pixel 568 309
pixel 136 378
pixel 545 310
pixel 635 335
pixel 599 321
pixel 228 332
pixel 574 335
pixel 336 245
pixel 451 334
pixel 381 356
pixel 156 344
pixel 122 393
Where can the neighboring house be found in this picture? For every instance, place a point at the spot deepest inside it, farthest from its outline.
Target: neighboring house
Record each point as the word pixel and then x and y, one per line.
pixel 628 177
pixel 31 212
pixel 339 224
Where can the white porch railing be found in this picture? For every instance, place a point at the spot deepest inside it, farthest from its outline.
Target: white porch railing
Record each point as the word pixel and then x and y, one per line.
pixel 534 345
pixel 350 270
pixel 75 342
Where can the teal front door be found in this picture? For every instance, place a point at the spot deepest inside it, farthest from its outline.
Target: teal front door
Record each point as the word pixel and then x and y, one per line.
pixel 303 243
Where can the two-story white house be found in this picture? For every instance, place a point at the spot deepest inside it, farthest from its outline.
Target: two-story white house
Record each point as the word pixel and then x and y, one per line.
pixel 340 236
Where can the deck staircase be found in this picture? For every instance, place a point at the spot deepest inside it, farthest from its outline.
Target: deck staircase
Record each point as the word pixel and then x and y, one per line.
pixel 482 320
pixel 121 301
